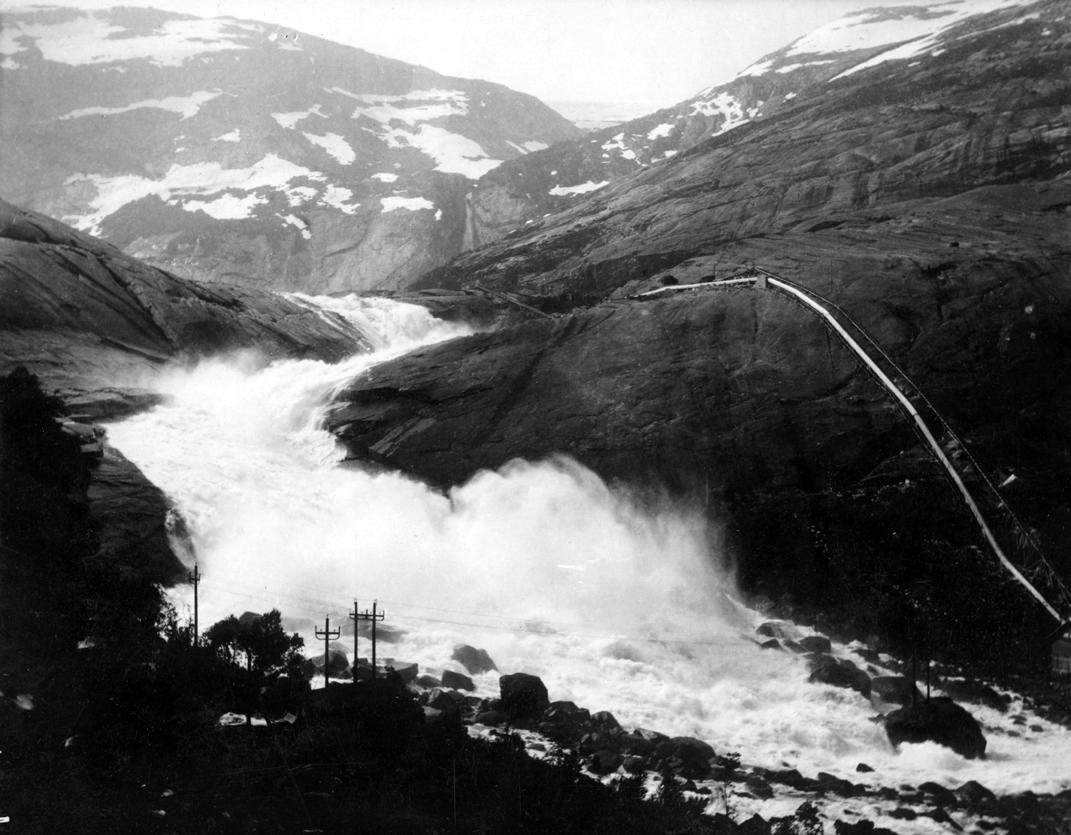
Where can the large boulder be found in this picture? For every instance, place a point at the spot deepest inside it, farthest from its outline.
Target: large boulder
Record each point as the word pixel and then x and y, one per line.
pixel 338 663
pixel 895 689
pixel 686 756
pixel 457 681
pixel 816 643
pixel 839 672
pixel 474 660
pixel 524 696
pixel 937 720
pixel 565 722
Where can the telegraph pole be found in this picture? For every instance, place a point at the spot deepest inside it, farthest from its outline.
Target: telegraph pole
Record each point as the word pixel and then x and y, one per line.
pixel 328 634
pixel 372 616
pixel 195 578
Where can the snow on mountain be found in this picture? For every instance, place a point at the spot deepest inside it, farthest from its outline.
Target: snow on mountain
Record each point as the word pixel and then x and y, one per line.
pixel 147 128
pixel 524 190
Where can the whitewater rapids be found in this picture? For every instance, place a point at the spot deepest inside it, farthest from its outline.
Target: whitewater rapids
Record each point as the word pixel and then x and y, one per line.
pixel 541 563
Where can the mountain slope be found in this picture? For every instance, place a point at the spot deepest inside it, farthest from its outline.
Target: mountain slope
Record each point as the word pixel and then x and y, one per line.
pixel 87 318
pixel 990 108
pixel 228 149
pixel 524 190
pixel 929 199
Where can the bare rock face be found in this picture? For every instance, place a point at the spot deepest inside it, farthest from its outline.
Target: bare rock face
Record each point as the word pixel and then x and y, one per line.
pixel 84 315
pixel 130 515
pixel 656 391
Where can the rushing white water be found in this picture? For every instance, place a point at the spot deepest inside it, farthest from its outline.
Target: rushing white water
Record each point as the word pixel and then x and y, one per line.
pixel 614 606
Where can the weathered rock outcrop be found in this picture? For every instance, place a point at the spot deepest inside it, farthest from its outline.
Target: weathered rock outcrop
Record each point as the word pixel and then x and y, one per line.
pixel 78 506
pixel 937 720
pixel 88 318
pixel 130 516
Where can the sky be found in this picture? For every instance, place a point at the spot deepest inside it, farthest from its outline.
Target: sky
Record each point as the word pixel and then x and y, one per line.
pixel 650 52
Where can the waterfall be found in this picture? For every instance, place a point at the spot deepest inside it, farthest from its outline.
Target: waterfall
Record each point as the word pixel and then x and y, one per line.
pixel 617 606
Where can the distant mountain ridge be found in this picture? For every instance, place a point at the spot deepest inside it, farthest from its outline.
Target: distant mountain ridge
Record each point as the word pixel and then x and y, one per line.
pixel 228 149
pixel 525 190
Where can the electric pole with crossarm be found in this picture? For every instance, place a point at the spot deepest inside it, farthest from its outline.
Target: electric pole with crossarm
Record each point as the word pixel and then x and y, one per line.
pixel 195 578
pixel 328 634
pixel 356 616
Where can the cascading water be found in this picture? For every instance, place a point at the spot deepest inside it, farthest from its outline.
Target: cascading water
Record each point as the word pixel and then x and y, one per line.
pixel 615 607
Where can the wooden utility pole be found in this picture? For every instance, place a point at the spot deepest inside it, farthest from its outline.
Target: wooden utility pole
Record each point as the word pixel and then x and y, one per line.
pixel 195 578
pixel 328 634
pixel 372 616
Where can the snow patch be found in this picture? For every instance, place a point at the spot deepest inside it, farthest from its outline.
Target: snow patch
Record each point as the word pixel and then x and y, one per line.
pixel 299 224
pixel 384 177
pixel 183 181
pixel 452 152
pixel 912 29
pixel 412 204
pixel 291 118
pixel 583 188
pixel 339 198
pixel 793 67
pixel 335 145
pixel 234 136
pixel 728 107
pixel 410 108
pixel 187 106
pixel 90 39
pixel 300 195
pixel 661 131
pixel 226 207
pixel 756 69
pixel 532 145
